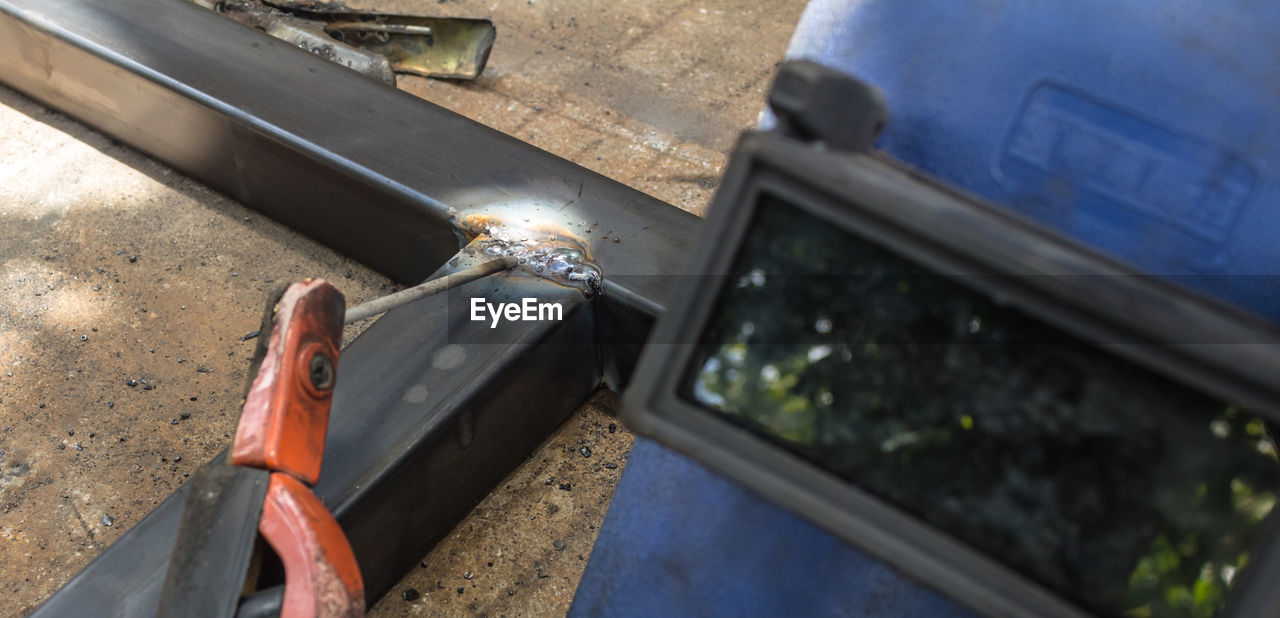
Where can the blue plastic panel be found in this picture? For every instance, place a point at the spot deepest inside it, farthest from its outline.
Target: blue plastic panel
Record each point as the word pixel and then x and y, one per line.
pixel 682 541
pixel 1147 129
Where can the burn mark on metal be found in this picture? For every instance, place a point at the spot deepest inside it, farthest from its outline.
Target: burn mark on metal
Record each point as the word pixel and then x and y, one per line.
pixel 543 250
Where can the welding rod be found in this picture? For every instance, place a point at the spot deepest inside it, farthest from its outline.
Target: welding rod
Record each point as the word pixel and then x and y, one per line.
pixel 434 286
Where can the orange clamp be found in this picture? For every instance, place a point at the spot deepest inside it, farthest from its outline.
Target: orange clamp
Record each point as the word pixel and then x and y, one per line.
pixel 286 413
pixel 321 575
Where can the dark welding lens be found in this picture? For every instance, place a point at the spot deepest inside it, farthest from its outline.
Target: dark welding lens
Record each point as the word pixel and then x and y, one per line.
pixel 1119 488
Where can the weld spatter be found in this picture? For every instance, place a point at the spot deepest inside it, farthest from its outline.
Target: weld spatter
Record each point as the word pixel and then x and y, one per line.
pixel 545 254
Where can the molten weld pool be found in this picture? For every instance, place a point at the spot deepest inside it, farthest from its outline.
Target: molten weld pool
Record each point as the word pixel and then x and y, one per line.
pixel 543 250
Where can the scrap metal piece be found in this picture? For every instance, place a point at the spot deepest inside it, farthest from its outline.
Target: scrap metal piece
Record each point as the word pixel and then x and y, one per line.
pixel 374 43
pixel 307 34
pixel 440 47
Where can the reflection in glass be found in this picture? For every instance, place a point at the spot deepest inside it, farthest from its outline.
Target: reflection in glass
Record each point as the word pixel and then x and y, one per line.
pixel 1124 491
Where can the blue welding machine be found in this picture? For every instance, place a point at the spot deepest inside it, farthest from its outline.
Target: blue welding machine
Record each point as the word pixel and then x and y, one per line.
pixel 1143 131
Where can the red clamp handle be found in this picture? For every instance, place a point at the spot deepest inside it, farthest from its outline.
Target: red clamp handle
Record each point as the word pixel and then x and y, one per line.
pixel 282 429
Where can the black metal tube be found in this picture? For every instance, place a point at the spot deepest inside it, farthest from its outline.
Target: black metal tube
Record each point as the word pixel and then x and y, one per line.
pixel 354 163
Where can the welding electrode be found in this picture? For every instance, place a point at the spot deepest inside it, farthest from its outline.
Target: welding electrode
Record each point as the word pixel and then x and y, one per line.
pixel 434 286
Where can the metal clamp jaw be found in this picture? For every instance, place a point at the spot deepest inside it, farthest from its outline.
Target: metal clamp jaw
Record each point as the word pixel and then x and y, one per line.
pixel 265 489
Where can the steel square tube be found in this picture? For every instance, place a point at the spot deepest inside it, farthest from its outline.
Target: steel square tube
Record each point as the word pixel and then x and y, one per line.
pixel 354 163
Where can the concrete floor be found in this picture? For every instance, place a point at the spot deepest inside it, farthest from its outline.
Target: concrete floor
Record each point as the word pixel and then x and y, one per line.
pixel 113 267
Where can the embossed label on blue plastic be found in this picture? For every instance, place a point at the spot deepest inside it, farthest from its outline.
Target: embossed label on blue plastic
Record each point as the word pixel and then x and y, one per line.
pixel 1121 177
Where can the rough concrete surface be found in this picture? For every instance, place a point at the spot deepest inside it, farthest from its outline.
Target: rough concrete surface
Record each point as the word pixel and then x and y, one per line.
pixel 114 268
